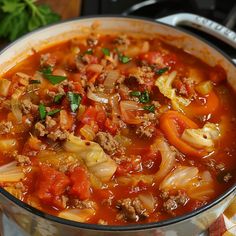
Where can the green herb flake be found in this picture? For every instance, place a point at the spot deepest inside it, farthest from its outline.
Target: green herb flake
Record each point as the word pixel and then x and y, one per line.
pixel 144 97
pixel 125 59
pixel 74 99
pixel 122 58
pixel 34 81
pixel 47 70
pixel 106 52
pixel 58 98
pixel 53 112
pixel 42 111
pixel 135 93
pixel 89 51
pixel 55 79
pixel 161 71
pixel 150 108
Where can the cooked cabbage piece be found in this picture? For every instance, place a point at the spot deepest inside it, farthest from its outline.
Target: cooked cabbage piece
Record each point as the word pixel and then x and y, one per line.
pixel 11 172
pixel 164 83
pixel 97 161
pixel 202 138
pixel 167 157
pixel 198 185
pixel 79 215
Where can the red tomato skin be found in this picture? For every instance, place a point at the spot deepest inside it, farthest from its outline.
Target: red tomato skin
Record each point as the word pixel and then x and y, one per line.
pixel 110 127
pixel 51 184
pixel 80 183
pixel 150 57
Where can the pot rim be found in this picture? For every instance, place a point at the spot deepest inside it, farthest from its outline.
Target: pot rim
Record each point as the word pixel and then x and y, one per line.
pixel 130 227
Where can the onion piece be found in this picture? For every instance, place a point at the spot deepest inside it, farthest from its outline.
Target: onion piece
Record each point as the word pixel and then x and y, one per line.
pixel 4 87
pixel 11 172
pixel 8 144
pixel 114 103
pixel 128 109
pixel 112 77
pixel 79 215
pixel 98 97
pixel 167 155
pixel 87 132
pixel 16 110
pixel 96 68
pixel 148 201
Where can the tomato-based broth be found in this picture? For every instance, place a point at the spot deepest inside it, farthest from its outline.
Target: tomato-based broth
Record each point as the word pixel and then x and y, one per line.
pixel 116 129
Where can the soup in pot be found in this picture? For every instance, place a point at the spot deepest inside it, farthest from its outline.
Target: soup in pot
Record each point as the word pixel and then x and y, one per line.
pixel 116 129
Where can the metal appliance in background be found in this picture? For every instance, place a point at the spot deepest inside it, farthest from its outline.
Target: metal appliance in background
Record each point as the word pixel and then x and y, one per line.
pixel 220 11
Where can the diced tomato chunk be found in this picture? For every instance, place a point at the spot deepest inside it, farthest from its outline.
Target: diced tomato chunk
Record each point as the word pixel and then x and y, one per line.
pixel 218 74
pixel 151 57
pixel 110 126
pixel 51 184
pixel 89 115
pixel 80 183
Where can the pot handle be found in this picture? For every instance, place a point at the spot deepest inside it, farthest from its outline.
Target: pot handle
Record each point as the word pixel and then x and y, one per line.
pixel 219 31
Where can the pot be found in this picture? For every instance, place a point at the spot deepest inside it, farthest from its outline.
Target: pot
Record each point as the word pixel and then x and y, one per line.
pixel 28 221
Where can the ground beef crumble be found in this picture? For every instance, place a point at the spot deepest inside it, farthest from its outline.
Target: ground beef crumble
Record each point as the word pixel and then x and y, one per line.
pixel 107 142
pixel 131 210
pixel 5 127
pixel 172 202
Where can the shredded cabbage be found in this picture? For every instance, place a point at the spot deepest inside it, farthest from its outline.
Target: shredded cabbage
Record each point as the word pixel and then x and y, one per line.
pixel 11 172
pixel 202 138
pixel 79 215
pixel 164 83
pixel 198 185
pixel 97 161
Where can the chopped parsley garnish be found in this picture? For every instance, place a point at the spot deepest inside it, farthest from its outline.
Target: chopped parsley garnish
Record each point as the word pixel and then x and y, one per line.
pixel 122 58
pixel 53 79
pixel 150 108
pixel 135 93
pixel 34 81
pixel 74 99
pixel 42 111
pixel 53 112
pixel 161 71
pixel 58 98
pixel 142 96
pixel 106 51
pixel 89 51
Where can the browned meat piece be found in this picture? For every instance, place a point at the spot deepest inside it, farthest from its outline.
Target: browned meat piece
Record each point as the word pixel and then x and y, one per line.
pixel 57 134
pixel 76 203
pixel 142 73
pixel 227 177
pixel 50 123
pixel 40 129
pixel 122 40
pixel 92 41
pixel 23 160
pixel 28 106
pixel 146 129
pixel 131 209
pixel 5 127
pixel 172 202
pixel 47 60
pixel 107 142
